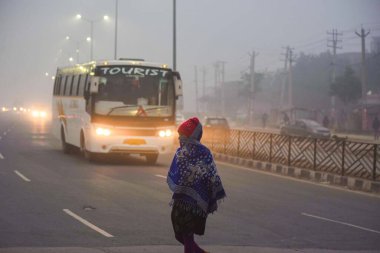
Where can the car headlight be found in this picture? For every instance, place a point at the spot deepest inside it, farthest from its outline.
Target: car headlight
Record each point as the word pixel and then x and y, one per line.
pixel 43 114
pixel 103 131
pixel 165 133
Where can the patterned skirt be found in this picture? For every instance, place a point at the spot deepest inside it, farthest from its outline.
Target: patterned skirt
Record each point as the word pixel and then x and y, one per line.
pixel 187 222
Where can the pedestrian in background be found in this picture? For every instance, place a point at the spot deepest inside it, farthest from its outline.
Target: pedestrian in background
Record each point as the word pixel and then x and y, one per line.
pixel 376 127
pixel 196 186
pixel 326 121
pixel 264 119
pixel 286 119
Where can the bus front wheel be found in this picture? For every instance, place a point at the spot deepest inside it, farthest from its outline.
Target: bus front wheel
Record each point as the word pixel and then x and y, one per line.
pixel 87 154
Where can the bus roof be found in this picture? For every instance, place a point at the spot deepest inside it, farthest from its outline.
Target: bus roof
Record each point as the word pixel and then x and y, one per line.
pixel 89 66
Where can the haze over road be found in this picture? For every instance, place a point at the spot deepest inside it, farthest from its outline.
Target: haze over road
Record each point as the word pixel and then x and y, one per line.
pixel 54 200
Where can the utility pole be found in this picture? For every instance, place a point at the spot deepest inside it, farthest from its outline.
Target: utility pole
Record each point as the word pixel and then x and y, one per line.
pixel 363 34
pixel 196 90
pixel 334 46
pixel 216 82
pixel 290 80
pixel 222 87
pixel 284 80
pixel 204 88
pixel 252 87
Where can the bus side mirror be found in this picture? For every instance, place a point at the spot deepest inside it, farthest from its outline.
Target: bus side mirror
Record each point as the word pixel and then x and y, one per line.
pixel 94 84
pixel 177 84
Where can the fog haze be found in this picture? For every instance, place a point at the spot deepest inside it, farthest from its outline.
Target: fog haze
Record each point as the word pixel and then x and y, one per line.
pixel 33 36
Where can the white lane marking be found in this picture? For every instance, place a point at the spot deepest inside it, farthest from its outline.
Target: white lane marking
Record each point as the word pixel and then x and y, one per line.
pixel 90 225
pixel 1 156
pixel 22 176
pixel 160 176
pixel 340 222
pixel 0 137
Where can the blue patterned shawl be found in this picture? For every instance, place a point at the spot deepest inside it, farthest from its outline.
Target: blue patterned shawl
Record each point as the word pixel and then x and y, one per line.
pixel 193 178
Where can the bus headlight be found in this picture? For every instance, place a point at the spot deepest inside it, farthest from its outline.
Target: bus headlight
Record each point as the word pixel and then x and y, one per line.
pixel 103 131
pixel 35 114
pixel 165 133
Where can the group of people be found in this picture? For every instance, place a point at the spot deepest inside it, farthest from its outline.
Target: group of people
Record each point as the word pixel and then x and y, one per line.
pixel 375 126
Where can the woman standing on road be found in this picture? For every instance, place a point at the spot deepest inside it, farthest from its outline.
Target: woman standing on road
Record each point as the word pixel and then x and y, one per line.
pixel 196 186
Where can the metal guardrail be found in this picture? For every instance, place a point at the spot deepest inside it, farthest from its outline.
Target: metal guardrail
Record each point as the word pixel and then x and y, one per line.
pixel 339 156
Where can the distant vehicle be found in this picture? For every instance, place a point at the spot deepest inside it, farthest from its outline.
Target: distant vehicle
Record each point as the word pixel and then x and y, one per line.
pixel 124 106
pixel 39 112
pixel 305 127
pixel 4 109
pixel 216 129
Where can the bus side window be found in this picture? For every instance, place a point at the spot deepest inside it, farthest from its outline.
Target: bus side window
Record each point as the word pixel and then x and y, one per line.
pixel 78 85
pixel 68 84
pixel 55 85
pixel 86 85
pixel 82 85
pixel 63 86
pixel 74 85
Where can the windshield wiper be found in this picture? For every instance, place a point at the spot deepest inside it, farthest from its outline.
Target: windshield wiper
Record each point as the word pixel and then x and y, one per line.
pixel 155 108
pixel 119 107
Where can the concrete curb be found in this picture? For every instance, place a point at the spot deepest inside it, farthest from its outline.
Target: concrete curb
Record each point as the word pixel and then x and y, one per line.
pixel 351 183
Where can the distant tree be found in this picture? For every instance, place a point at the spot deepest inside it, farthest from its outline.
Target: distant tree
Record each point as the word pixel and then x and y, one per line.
pixel 346 87
pixel 246 79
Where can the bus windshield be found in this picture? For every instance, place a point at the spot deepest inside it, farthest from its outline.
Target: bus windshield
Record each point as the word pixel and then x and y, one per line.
pixel 135 91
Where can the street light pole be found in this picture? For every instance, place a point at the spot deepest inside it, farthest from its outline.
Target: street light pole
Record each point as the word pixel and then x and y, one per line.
pixel 91 21
pixel 116 12
pixel 92 40
pixel 174 37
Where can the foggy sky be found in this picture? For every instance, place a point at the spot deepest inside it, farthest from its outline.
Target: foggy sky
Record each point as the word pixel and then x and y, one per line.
pixel 33 35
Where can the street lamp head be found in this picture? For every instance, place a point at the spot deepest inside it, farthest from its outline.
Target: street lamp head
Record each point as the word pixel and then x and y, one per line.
pixel 71 59
pixel 78 16
pixel 105 17
pixel 67 37
pixel 88 39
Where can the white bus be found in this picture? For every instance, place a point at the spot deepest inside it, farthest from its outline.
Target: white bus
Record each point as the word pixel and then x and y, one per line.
pixel 116 106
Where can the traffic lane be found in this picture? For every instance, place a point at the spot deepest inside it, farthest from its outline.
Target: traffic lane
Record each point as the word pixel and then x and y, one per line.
pixel 259 219
pixel 32 215
pixel 265 210
pixel 76 184
pixel 278 204
pixel 7 122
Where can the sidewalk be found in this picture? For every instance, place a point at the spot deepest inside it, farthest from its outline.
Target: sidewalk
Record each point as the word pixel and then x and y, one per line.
pixel 173 249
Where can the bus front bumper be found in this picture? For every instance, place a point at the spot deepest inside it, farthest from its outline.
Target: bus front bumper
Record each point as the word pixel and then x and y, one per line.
pixel 132 145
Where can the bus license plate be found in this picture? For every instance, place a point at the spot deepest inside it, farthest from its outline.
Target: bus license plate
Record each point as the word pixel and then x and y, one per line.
pixel 135 141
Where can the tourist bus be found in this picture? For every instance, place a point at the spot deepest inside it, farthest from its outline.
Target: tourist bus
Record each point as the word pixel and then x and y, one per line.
pixel 125 106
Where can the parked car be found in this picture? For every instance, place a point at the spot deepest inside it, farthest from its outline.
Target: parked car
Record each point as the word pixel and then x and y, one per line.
pixel 305 127
pixel 216 129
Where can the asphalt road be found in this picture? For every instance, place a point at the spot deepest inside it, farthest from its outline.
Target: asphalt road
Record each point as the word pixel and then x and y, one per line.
pixel 49 199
